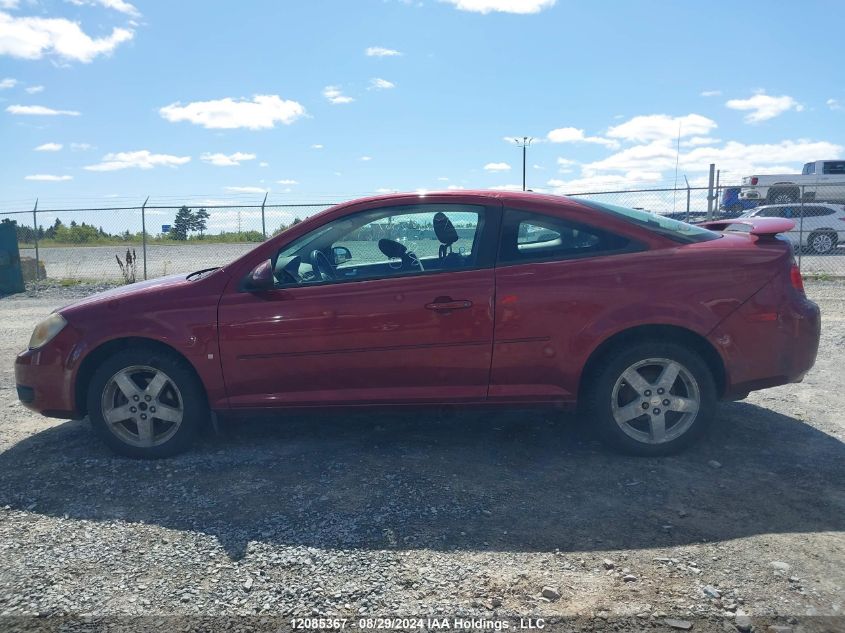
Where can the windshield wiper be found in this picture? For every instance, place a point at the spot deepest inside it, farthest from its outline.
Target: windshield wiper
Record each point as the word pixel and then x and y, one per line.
pixel 200 273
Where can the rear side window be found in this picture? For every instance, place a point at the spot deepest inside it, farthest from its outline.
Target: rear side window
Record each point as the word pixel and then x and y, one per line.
pixel 834 167
pixel 817 212
pixel 530 236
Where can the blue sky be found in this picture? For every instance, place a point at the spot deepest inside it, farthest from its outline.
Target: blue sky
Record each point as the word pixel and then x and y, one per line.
pixel 330 99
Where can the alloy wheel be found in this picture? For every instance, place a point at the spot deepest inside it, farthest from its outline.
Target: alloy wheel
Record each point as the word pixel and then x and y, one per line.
pixel 142 406
pixel 655 400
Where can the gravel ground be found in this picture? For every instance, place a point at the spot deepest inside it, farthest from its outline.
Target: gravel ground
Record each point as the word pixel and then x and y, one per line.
pixel 487 514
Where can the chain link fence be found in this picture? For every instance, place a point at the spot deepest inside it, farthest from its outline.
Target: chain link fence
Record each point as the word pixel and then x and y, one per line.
pixel 94 244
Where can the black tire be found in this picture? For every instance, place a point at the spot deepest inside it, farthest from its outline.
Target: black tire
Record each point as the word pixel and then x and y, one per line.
pixel 184 390
pixel 599 394
pixel 782 195
pixel 819 246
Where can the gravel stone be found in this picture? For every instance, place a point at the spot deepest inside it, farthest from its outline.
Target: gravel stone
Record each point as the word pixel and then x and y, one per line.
pixel 431 513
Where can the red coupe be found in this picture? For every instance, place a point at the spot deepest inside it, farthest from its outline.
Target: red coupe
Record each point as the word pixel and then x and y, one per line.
pixel 443 298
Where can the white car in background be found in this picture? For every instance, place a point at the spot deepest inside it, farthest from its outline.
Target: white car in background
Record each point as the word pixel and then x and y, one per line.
pixel 819 228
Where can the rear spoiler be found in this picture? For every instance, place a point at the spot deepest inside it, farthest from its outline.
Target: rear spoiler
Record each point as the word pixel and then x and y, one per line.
pixel 759 226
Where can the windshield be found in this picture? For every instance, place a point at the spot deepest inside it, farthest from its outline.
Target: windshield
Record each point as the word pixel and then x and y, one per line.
pixel 673 229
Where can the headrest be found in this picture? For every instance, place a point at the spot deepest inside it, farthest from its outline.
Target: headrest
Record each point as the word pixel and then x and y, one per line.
pixel 444 229
pixel 391 248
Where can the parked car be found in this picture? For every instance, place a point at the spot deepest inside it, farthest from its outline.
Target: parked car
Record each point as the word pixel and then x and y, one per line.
pixel 819 180
pixel 822 228
pixel 732 205
pixel 550 300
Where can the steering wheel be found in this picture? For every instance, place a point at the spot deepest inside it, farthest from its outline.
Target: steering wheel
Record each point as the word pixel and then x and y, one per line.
pixel 322 265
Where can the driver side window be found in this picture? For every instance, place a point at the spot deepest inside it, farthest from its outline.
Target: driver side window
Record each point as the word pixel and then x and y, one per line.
pixel 383 242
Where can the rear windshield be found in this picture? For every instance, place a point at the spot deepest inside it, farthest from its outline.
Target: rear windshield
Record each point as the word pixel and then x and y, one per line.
pixel 673 229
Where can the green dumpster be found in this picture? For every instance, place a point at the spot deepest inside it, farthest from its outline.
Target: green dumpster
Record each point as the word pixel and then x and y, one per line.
pixel 11 276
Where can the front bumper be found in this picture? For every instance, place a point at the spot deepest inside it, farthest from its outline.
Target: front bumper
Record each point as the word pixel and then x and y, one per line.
pixel 45 381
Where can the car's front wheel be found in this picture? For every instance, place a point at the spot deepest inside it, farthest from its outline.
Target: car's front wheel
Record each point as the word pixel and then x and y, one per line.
pixel 146 402
pixel 651 398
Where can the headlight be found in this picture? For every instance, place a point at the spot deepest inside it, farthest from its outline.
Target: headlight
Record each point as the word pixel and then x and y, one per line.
pixel 47 330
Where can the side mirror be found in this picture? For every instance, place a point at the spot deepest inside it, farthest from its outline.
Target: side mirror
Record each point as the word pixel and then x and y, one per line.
pixel 341 255
pixel 261 277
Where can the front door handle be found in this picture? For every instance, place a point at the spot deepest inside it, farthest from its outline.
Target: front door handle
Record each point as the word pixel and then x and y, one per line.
pixel 447 304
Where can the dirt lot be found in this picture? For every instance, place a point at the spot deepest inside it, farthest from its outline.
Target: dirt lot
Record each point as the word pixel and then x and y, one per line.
pixel 431 513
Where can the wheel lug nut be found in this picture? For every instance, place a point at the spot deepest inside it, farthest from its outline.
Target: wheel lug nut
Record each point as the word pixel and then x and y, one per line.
pixel 152 409
pixel 135 398
pixel 665 403
pixel 660 391
pixel 645 405
pixel 143 416
pixel 656 412
pixel 133 409
pixel 647 392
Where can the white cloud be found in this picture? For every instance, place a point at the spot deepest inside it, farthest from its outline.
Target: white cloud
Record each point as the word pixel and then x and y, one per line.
pixel 386 190
pixel 335 95
pixel 246 189
pixel 48 178
pixel 262 112
pixel 697 141
pixel 81 147
pixel 34 89
pixel 497 167
pixel 316 146
pixel 540 167
pixel 263 163
pixel 287 181
pixel 503 6
pixel 366 158
pixel 833 104
pixel 455 187
pixel 226 160
pixel 33 38
pixel 711 93
pixel 141 159
pixel 7 83
pixel 37 110
pixel 574 135
pixel 9 4
pixel 381 51
pixel 118 5
pixel 443 179
pixel 377 83
pixel 507 188
pixel 763 107
pixel 49 147
pixel 655 127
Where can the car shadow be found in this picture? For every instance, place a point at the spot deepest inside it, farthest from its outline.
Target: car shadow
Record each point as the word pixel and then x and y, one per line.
pixel 500 480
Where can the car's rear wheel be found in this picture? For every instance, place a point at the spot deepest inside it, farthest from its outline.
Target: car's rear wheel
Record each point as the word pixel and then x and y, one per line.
pixel 821 243
pixel 651 398
pixel 146 403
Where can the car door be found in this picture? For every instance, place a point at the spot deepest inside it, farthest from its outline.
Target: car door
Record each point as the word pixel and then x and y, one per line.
pixel 383 330
pixel 552 276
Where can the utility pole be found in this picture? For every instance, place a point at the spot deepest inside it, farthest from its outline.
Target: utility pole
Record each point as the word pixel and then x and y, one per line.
pixel 718 197
pixel 144 232
pixel 688 196
pixel 524 142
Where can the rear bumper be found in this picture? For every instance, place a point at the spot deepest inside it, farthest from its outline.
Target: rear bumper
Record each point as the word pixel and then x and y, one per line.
pixel 771 340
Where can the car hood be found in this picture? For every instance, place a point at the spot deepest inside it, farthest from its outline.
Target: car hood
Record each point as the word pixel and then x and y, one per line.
pixel 137 289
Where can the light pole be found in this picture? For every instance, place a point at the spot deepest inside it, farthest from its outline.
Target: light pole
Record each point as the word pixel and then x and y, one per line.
pixel 524 142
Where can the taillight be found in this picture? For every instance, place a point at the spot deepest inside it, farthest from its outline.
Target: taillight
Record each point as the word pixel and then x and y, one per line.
pixel 753 180
pixel 796 279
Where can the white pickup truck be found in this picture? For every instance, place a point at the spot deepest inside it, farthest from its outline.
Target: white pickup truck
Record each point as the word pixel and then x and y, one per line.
pixel 820 180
